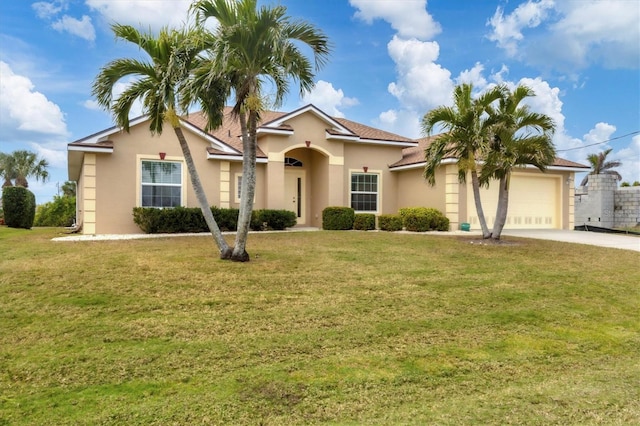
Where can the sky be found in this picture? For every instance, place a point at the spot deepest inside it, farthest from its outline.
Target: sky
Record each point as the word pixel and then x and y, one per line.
pixel 392 61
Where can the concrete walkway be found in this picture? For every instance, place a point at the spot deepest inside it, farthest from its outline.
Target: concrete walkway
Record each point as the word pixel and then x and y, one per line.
pixel 619 241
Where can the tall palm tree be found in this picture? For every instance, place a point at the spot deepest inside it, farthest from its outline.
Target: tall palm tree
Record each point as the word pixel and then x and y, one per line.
pixel 600 166
pixel 21 165
pixel 520 138
pixel 159 82
pixel 253 47
pixel 467 129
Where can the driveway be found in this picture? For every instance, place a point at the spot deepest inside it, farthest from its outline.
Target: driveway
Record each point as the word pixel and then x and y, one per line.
pixel 619 241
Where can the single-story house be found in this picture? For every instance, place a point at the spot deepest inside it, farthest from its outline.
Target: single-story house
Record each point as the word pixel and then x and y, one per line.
pixel 306 161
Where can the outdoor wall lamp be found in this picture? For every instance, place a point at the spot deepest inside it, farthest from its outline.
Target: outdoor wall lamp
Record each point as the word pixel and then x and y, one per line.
pixel 365 168
pixel 162 155
pixel 307 143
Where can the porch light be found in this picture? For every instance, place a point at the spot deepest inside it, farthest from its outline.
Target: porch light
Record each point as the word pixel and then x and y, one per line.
pixel 365 168
pixel 162 155
pixel 308 143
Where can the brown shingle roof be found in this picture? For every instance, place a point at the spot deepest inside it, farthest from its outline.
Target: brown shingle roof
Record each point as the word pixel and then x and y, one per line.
pixel 229 132
pixel 415 155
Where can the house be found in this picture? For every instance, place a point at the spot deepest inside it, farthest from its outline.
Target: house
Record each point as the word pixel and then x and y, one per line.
pixel 306 161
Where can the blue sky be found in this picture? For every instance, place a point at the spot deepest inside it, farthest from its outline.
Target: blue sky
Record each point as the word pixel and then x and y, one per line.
pixel 392 61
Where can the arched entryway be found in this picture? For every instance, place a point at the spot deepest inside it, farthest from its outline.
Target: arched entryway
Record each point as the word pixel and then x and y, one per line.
pixel 306 184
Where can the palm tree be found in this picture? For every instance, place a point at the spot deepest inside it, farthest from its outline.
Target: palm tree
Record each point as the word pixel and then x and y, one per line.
pixel 467 130
pixel 252 47
pixel 520 138
pixel 20 165
pixel 7 169
pixel 600 166
pixel 160 80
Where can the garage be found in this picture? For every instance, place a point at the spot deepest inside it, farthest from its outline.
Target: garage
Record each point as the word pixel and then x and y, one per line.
pixel 534 202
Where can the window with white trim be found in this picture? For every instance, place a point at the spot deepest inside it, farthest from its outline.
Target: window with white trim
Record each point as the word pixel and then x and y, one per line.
pixel 365 192
pixel 161 183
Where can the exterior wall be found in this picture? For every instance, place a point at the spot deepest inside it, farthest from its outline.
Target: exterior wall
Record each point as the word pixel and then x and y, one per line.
pixel 596 206
pixel 118 176
pixel 626 212
pixel 602 204
pixel 414 191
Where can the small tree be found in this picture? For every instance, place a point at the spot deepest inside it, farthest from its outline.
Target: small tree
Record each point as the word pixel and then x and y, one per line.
pixel 600 166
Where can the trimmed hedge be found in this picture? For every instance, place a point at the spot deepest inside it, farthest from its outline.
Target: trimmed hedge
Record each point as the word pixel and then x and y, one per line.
pixel 19 206
pixel 390 222
pixel 338 218
pixel 190 219
pixel 272 220
pixel 364 222
pixel 422 219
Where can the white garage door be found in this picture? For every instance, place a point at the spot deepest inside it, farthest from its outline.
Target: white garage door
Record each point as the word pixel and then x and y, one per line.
pixel 534 202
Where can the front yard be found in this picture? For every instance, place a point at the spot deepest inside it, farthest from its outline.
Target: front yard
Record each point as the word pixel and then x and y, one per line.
pixel 320 327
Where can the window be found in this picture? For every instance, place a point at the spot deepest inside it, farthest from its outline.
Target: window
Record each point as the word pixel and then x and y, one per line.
pixel 238 187
pixel 161 184
pixel 364 192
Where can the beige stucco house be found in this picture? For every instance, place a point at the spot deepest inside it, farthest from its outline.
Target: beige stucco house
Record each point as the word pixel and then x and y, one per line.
pixel 306 161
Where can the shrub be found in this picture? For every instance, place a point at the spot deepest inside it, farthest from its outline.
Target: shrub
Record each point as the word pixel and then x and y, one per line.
pixel 19 206
pixel 624 184
pixel 190 219
pixel 636 183
pixel 364 222
pixel 390 222
pixel 421 219
pixel 272 220
pixel 59 212
pixel 338 218
pixel 227 219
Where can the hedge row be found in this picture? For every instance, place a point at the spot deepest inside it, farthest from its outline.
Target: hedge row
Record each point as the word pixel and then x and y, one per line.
pixel 416 219
pixel 19 206
pixel 190 219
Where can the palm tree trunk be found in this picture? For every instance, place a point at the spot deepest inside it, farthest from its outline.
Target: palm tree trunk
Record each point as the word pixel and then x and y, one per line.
pixel 248 127
pixel 503 207
pixel 475 184
pixel 225 250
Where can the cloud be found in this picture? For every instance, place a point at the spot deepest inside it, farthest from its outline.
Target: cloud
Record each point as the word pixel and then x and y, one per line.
pixel 82 28
pixel 507 31
pixel 25 111
pixel 408 17
pixel 403 122
pixel 421 83
pixel 153 14
pixel 47 10
pixel 576 34
pixel 328 99
pixel 630 158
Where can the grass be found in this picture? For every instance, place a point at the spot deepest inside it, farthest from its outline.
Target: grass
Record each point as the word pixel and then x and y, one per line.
pixel 338 328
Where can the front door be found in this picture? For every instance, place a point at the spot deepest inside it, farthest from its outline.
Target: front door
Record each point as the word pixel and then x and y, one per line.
pixel 294 193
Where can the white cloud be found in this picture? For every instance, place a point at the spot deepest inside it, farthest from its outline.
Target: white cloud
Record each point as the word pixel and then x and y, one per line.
pixel 24 110
pixel 402 122
pixel 473 76
pixel 153 14
pixel 422 83
pixel 92 105
pixel 328 99
pixel 46 10
pixel 82 28
pixel 507 30
pixel 408 17
pixel 577 33
pixel 630 158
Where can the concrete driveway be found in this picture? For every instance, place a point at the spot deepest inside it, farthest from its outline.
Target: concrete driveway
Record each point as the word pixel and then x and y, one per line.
pixel 619 241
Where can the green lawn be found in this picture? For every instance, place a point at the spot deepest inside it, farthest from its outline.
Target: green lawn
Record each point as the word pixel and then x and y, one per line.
pixel 320 327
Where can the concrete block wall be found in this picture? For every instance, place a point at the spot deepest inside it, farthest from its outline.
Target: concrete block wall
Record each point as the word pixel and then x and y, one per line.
pixel 626 211
pixel 603 204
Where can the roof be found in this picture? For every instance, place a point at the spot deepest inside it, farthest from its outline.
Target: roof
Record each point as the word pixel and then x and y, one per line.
pixel 275 122
pixel 414 156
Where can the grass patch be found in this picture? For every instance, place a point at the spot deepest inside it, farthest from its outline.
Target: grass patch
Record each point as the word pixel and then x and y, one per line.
pixel 323 327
